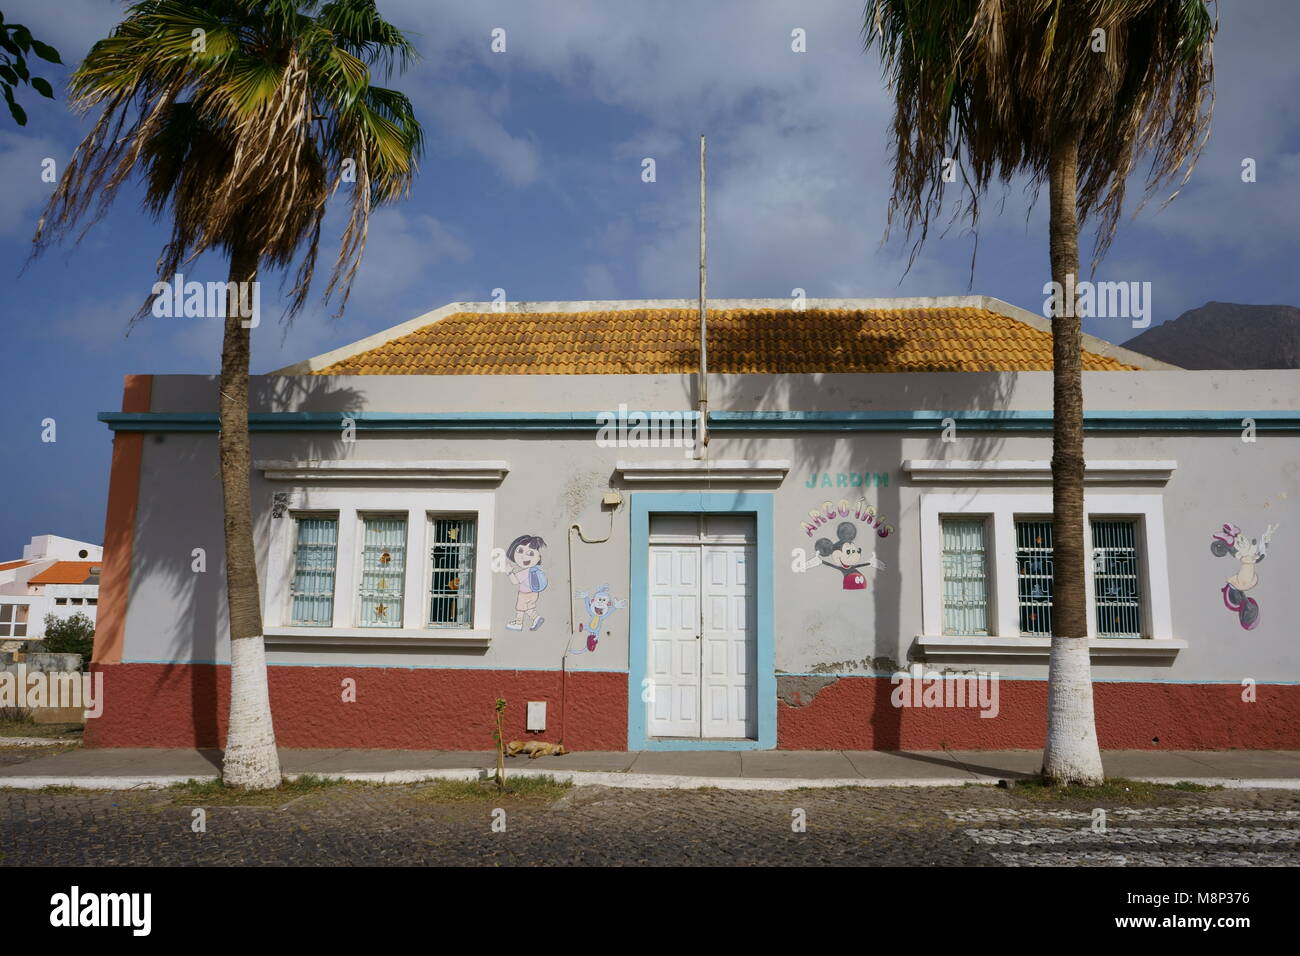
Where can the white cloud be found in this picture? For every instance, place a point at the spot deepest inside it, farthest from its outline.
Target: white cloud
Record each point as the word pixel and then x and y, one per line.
pixel 24 193
pixel 467 118
pixel 70 26
pixel 401 248
pixel 799 165
pixel 598 282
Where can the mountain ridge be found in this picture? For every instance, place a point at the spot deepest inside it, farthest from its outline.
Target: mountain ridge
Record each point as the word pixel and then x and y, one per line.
pixel 1225 335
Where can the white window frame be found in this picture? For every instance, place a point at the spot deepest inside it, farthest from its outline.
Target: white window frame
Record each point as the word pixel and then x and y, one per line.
pixel 13 621
pixel 351 505
pixel 1000 512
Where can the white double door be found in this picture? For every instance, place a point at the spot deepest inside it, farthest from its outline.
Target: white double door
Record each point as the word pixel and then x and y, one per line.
pixel 702 647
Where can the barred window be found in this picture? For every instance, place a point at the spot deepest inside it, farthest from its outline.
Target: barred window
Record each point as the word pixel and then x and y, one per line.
pixel 383 571
pixel 451 563
pixel 965 582
pixel 314 557
pixel 1034 575
pixel 1115 579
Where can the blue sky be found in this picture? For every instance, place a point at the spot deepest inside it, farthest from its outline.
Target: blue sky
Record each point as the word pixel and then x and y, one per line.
pixel 532 183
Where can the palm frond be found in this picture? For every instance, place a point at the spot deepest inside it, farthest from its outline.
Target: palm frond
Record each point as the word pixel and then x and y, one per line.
pixel 240 117
pixel 992 84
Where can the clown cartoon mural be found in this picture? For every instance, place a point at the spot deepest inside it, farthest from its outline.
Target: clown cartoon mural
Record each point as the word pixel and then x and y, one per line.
pixel 845 556
pixel 598 607
pixel 1248 551
pixel 525 560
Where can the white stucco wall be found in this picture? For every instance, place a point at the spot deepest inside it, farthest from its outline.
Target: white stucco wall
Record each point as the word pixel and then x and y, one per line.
pixel 555 479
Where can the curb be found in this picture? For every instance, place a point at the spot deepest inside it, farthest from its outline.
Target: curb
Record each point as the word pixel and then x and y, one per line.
pixel 655 781
pixel 37 742
pixel 593 778
pixel 157 782
pixel 1229 783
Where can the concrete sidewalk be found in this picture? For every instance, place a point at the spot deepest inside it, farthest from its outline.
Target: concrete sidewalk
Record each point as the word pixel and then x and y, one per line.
pixel 118 769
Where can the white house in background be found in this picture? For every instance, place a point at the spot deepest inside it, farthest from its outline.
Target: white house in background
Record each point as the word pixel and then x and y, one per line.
pixel 55 575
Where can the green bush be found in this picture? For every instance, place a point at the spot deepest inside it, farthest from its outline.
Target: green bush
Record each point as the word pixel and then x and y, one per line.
pixel 70 635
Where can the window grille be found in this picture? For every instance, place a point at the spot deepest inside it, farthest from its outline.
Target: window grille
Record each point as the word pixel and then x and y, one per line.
pixel 1034 575
pixel 1115 579
pixel 383 571
pixel 312 588
pixel 451 560
pixel 965 586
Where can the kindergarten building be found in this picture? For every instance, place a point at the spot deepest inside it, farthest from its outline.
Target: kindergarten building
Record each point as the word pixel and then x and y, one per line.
pixel 515 501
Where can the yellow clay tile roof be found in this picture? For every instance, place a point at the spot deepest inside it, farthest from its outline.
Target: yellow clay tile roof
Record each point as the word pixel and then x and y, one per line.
pixel 649 341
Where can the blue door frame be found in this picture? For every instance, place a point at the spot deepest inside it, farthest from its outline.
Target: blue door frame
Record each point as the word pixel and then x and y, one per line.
pixel 760 506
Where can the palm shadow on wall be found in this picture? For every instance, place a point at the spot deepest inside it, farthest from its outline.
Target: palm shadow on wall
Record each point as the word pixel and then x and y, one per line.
pixel 938 386
pixel 191 606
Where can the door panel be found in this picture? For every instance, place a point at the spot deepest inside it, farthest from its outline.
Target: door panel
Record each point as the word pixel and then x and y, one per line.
pixel 674 647
pixel 729 645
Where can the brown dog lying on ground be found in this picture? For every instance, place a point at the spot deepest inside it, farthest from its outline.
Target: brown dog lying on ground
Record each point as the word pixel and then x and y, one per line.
pixel 534 749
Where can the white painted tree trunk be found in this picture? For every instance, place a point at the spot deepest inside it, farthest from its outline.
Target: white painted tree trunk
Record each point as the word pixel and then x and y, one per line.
pixel 251 760
pixel 1071 754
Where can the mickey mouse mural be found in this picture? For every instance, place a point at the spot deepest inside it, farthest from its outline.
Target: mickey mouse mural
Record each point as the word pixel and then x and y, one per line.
pixel 845 556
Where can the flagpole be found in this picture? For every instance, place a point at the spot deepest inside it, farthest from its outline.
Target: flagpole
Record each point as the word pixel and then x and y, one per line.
pixel 704 324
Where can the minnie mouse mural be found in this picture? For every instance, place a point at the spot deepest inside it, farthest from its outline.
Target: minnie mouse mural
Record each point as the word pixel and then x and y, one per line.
pixel 1249 551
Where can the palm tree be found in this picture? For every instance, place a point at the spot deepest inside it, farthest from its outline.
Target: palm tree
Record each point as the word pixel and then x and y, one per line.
pixel 242 118
pixel 1071 92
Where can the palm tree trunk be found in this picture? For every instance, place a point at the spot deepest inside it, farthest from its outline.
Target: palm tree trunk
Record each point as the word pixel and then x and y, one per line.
pixel 1071 754
pixel 251 759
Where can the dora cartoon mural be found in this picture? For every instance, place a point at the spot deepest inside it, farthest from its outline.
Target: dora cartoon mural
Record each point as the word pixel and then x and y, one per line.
pixel 525 560
pixel 1248 551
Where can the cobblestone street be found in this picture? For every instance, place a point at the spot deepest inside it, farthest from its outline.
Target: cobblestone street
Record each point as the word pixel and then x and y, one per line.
pixel 422 825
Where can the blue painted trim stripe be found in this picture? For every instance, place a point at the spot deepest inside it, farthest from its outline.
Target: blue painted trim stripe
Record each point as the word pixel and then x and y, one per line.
pixel 365 421
pixel 395 667
pixel 835 421
pixel 760 506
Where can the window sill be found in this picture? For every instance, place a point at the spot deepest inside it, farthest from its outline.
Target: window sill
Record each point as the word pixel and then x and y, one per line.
pixel 1100 648
pixel 374 637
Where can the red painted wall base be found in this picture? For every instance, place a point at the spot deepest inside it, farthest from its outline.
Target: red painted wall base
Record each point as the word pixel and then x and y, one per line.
pixel 856 713
pixel 185 705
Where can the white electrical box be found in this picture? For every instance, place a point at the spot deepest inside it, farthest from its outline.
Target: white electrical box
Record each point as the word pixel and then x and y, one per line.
pixel 537 715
